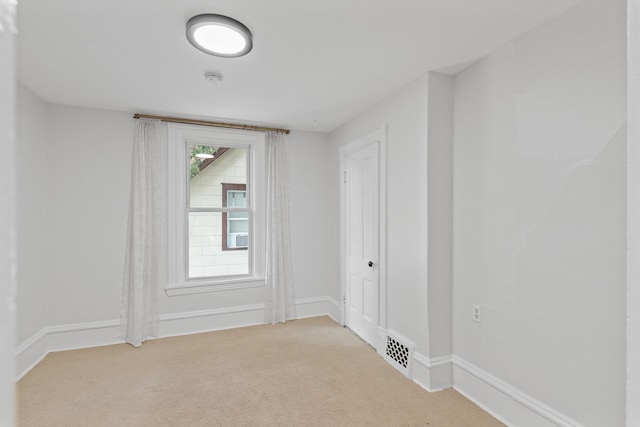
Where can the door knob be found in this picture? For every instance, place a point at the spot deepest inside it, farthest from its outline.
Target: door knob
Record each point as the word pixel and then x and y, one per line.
pixel 370 263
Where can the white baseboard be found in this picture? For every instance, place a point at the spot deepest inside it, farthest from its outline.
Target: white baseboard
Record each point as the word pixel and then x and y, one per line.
pixel 334 310
pixel 31 352
pixel 314 307
pixel 381 343
pixel 83 335
pixel 432 374
pixel 95 334
pixel 64 337
pixel 193 322
pixel 503 401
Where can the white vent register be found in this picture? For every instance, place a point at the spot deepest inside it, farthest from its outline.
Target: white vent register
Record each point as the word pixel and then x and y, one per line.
pixel 398 352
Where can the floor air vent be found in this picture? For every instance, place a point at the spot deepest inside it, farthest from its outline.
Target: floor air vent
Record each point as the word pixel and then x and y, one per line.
pixel 398 354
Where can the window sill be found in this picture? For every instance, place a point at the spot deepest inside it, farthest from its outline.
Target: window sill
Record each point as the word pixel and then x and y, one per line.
pixel 215 286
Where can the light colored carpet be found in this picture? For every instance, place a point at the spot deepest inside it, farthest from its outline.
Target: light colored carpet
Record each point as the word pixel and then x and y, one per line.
pixel 303 373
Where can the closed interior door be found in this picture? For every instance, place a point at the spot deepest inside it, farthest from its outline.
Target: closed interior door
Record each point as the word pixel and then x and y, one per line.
pixel 362 241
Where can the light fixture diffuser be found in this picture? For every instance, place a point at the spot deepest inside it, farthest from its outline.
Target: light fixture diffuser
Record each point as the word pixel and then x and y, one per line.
pixel 219 35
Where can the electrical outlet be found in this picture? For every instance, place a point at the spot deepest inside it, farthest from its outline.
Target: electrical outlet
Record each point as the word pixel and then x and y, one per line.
pixel 476 313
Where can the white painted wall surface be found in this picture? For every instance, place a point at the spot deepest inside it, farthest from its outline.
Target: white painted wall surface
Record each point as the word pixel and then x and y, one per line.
pixel 314 265
pixel 88 178
pixel 539 213
pixel 89 172
pixel 7 209
pixel 31 218
pixel 483 201
pixel 440 194
pixel 405 115
pixel 633 215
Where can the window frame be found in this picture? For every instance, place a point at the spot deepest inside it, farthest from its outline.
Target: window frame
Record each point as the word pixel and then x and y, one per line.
pixel 180 136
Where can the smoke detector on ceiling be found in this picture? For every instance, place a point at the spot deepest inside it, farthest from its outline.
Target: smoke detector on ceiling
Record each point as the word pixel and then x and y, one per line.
pixel 213 78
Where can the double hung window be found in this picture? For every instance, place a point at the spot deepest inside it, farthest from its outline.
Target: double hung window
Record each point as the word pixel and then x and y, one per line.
pixel 216 202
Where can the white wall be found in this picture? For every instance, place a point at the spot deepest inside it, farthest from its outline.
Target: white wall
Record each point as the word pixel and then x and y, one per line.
pixel 440 194
pixel 314 266
pixel 405 116
pixel 539 214
pixel 7 209
pixel 419 124
pixel 484 216
pixel 31 176
pixel 633 215
pixel 88 162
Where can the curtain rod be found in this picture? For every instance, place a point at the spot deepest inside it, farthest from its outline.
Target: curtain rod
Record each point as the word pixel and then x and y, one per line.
pixel 214 124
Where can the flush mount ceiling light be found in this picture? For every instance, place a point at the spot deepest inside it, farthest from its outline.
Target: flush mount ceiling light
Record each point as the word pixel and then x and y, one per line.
pixel 219 35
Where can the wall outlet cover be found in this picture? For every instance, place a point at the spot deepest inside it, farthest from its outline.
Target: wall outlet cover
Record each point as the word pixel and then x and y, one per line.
pixel 476 313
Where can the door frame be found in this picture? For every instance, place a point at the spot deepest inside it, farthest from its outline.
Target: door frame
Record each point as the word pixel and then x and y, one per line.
pixel 378 137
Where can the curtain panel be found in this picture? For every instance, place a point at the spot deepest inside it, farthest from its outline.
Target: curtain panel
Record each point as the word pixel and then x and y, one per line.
pixel 145 255
pixel 280 298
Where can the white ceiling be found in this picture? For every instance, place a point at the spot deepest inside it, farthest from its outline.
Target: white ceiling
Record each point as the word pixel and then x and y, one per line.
pixel 314 65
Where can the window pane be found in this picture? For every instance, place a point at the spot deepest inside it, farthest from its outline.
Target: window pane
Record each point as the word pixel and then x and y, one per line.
pixel 209 167
pixel 237 199
pixel 239 225
pixel 206 255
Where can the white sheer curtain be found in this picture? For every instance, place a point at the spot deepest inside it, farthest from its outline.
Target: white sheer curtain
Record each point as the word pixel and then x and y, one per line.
pixel 280 298
pixel 145 256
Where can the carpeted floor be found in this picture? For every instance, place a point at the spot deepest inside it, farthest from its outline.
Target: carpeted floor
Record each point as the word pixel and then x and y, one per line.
pixel 303 373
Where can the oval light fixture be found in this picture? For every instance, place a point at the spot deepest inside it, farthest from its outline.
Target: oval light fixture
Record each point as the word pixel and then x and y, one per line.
pixel 219 35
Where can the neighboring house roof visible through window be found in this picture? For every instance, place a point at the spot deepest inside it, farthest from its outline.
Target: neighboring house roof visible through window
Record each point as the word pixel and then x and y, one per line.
pixel 215 157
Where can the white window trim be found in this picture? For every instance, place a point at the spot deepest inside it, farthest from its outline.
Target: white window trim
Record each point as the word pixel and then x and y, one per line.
pixel 178 136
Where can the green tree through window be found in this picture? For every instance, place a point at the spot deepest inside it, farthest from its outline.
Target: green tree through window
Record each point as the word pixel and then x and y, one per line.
pixel 197 155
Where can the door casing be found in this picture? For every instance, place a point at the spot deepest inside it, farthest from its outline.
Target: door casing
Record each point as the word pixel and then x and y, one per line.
pixel 377 137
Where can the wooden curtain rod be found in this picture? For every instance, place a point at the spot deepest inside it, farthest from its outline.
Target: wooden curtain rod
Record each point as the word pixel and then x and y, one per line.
pixel 214 124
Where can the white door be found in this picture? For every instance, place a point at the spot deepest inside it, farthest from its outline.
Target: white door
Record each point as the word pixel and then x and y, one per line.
pixel 361 204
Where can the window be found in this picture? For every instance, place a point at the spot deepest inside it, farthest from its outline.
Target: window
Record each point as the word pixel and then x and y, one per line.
pixel 216 203
pixel 235 225
pixel 217 212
